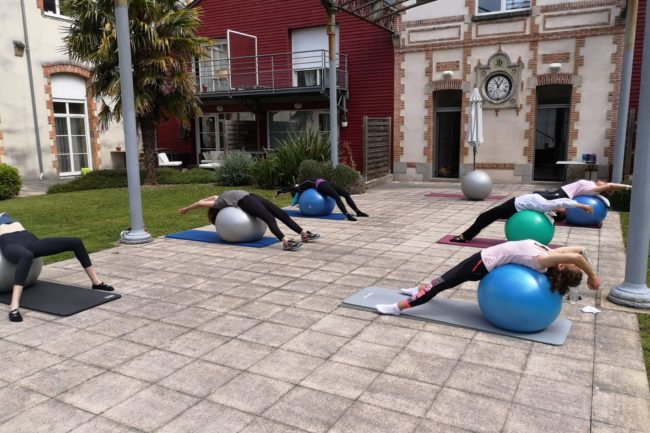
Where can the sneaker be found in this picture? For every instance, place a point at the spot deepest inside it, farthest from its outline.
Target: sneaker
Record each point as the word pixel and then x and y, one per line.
pixel 362 214
pixel 309 236
pixel 392 309
pixel 458 239
pixel 103 286
pixel 350 217
pixel 411 291
pixel 291 245
pixel 14 316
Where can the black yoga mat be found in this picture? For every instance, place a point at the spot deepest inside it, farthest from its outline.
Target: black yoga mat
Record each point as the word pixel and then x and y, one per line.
pixel 60 299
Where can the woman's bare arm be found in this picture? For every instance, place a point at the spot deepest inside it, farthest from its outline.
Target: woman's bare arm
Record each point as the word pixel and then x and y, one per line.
pixel 203 203
pixel 611 187
pixel 593 281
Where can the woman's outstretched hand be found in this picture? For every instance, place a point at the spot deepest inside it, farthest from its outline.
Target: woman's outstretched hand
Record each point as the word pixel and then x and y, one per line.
pixel 182 211
pixel 593 282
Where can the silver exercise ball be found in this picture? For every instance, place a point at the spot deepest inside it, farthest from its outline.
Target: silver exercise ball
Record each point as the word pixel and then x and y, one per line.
pixel 235 225
pixel 8 270
pixel 476 185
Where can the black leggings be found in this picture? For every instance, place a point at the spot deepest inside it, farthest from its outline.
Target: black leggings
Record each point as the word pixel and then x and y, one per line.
pixel 263 209
pixel 505 210
pixel 470 269
pixel 21 248
pixel 330 190
pixel 552 195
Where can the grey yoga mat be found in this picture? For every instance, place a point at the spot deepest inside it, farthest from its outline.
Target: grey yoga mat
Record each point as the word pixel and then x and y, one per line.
pixel 60 299
pixel 453 312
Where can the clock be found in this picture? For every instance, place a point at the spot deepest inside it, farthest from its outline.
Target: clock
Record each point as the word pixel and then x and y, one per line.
pixel 498 87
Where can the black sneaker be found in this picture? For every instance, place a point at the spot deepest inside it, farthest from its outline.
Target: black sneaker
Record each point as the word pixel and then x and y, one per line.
pixel 362 214
pixel 458 239
pixel 350 217
pixel 103 286
pixel 291 245
pixel 309 236
pixel 14 316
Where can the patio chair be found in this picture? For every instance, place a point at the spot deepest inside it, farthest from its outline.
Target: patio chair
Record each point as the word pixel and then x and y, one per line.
pixel 211 159
pixel 163 161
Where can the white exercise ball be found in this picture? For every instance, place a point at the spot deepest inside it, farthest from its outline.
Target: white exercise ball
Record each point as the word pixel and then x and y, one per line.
pixel 235 225
pixel 8 271
pixel 476 185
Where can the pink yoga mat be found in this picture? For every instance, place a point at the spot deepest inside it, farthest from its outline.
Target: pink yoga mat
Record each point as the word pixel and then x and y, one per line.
pixel 478 242
pixel 454 195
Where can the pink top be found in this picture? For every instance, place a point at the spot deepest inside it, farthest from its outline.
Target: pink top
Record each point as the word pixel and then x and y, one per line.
pixel 518 252
pixel 319 181
pixel 581 187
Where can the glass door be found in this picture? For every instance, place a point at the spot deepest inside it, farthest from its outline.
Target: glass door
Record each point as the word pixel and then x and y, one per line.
pixel 72 138
pixel 552 131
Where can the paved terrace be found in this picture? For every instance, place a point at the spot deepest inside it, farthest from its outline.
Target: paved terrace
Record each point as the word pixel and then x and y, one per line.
pixel 213 338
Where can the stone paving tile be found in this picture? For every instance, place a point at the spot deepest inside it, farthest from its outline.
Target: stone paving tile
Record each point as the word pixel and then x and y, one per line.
pixel 296 317
pixel 251 393
pixel 620 410
pixel 367 355
pixel 394 336
pixel 195 343
pixel 315 344
pixel 150 408
pixel 267 426
pixel 40 334
pixel 469 411
pixel 621 380
pixel 599 427
pixel 257 310
pixel 113 353
pixel 190 317
pixel 229 325
pixel 100 424
pixel 59 378
pixel 153 365
pixel 17 365
pixel 364 418
pixel 208 417
pixel 287 366
pixel 238 354
pixel 399 394
pixel 155 334
pixel 559 397
pixel 310 410
pixel 339 379
pixel 270 334
pixel 559 368
pixel 51 416
pixel 439 345
pixel 200 378
pixel 483 380
pixel 338 325
pixel 322 304
pixel 74 343
pixel 497 356
pixel 16 399
pixel 102 392
pixel 532 420
pixel 118 326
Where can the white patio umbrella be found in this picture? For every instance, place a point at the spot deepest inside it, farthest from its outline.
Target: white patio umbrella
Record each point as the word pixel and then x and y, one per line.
pixel 475 124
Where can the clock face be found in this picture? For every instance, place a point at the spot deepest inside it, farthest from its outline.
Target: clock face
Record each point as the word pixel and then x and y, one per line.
pixel 498 87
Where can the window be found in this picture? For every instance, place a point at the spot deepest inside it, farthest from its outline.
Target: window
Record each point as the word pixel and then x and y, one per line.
pixel 213 68
pixel 71 127
pixel 497 6
pixel 284 123
pixel 308 78
pixel 53 7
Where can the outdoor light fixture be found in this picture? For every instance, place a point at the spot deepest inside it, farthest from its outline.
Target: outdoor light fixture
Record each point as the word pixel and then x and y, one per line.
pixel 19 48
pixel 219 108
pixel 297 105
pixel 447 75
pixel 555 67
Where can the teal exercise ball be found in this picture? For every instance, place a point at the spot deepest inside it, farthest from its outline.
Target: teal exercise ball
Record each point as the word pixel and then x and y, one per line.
pixel 313 203
pixel 518 298
pixel 578 217
pixel 530 224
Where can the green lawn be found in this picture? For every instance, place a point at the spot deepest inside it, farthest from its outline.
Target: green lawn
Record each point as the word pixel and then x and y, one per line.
pixel 98 216
pixel 644 319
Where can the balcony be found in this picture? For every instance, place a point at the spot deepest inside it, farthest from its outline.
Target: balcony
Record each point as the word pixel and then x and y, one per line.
pixel 304 72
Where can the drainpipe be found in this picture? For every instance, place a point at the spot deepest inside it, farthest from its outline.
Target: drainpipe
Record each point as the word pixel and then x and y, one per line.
pixel 624 99
pixel 31 89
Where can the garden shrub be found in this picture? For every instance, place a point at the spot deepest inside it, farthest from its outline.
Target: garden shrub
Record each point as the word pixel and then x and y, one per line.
pixel 348 178
pixel 235 169
pixel 620 200
pixel 310 169
pixel 299 147
pixel 10 181
pixel 265 173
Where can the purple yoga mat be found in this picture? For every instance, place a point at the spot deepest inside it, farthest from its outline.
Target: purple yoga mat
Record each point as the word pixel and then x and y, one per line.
pixel 478 242
pixel 455 195
pixel 566 224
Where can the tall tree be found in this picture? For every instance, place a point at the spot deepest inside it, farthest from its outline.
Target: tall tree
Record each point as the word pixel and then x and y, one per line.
pixel 164 42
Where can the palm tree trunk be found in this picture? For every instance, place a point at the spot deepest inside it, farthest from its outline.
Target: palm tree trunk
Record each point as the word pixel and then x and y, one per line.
pixel 148 130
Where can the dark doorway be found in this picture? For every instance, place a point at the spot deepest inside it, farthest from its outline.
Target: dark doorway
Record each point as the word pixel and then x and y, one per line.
pixel 552 131
pixel 447 149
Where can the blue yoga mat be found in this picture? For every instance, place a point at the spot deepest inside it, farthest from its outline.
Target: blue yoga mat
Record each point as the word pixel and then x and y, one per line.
pixel 296 213
pixel 214 238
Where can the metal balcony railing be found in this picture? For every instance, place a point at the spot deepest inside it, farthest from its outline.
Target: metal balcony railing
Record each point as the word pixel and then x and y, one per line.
pixel 283 73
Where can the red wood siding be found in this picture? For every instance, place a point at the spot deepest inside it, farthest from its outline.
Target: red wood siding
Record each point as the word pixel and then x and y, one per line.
pixel 369 50
pixel 635 85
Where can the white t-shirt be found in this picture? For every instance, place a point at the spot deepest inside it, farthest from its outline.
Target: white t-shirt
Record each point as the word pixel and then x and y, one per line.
pixel 523 253
pixel 540 204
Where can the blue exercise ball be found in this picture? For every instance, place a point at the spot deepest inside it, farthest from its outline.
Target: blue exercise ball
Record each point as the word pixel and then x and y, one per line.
pixel 530 224
pixel 579 217
pixel 313 203
pixel 518 298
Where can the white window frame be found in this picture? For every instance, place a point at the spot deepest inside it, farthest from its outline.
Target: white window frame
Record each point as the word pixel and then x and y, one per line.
pixel 68 116
pixel 503 8
pixel 315 122
pixel 57 11
pixel 213 82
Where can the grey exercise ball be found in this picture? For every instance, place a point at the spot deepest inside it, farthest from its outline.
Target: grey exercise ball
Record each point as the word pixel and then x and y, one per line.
pixel 8 270
pixel 476 185
pixel 235 225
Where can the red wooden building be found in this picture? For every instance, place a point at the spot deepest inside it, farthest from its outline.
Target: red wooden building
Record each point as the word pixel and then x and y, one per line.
pixel 266 76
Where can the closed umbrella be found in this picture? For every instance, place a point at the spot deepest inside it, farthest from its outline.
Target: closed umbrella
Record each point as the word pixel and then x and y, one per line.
pixel 475 124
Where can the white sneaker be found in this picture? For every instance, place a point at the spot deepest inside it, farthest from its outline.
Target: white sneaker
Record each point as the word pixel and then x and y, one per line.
pixel 388 309
pixel 410 291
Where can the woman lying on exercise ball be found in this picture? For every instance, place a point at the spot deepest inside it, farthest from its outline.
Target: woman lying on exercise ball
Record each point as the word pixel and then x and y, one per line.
pixel 524 202
pixel 21 247
pixel 255 206
pixel 563 267
pixel 584 187
pixel 326 189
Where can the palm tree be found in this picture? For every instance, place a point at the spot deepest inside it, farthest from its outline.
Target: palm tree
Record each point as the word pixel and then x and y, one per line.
pixel 164 42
